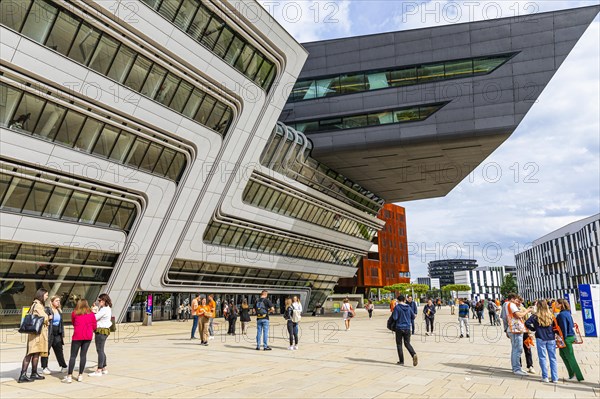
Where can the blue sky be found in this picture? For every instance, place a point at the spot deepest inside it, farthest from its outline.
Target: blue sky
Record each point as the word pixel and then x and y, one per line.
pixel 547 174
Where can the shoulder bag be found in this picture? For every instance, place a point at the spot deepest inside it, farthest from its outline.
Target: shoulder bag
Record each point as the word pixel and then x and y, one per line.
pixel 558 335
pixel 31 324
pixel 515 324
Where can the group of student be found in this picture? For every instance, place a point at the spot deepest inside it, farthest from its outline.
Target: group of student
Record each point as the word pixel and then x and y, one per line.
pixel 88 322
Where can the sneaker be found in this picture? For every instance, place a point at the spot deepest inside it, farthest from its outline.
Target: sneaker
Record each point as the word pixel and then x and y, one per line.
pixel 80 378
pixel 291 348
pixel 105 371
pixel 573 379
pixel 295 347
pixel 467 335
pixel 67 380
pixel 193 338
pixel 531 370
pixel 415 360
pixel 267 348
pixel 520 372
pixel 545 380
pixel 461 336
pixel 258 348
pixel 555 381
pixel 63 370
pixel 211 337
pixel 427 334
pixel 96 373
pixel 400 363
pixel 46 371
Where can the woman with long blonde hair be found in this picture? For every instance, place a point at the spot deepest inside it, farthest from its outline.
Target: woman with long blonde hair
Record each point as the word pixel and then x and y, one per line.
pixel 542 323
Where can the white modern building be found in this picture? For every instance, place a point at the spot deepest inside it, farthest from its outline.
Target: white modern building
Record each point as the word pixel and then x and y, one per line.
pixel 485 282
pixel 433 283
pixel 140 151
pixel 559 261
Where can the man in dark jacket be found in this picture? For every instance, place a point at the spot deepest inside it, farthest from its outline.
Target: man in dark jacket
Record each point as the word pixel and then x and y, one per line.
pixel 413 306
pixel 403 315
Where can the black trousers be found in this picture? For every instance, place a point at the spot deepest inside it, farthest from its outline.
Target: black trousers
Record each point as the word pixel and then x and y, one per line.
pixel 293 332
pixel 232 321
pixel 429 323
pixel 75 346
pixel 100 340
pixel 403 335
pixel 55 343
pixel 370 313
pixel 492 318
pixel 527 351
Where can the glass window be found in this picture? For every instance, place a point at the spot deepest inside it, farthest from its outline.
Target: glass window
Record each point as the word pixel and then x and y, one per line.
pixel 58 201
pixel 402 77
pixel 215 116
pixel 167 89
pixel 122 146
pixel 380 118
pixel 138 73
pixel 16 195
pixel 63 33
pixel 254 65
pixel 270 78
pixel 224 41
pixel 425 112
pixel 92 209
pixel 430 72
pixel 121 64
pixel 168 9
pixel 307 127
pixel 355 121
pixel 199 23
pixel 162 166
pixel 205 109
pixel 49 121
pixel 104 54
pixel 39 21
pixel 176 167
pixel 88 135
pixel 212 32
pixel 459 68
pixel 27 113
pixel 154 81
pixel 487 64
pixel 377 80
pixel 327 87
pixel 9 99
pixel 124 216
pixel 331 124
pixel 225 120
pixel 13 13
pixel 106 140
pixel 107 212
pixel 75 206
pixel 181 96
pixel 263 73
pixel 244 59
pixel 234 50
pixel 193 103
pixel 85 43
pixel 185 14
pixel 70 127
pixel 151 158
pixel 137 152
pixel 352 83
pixel 406 115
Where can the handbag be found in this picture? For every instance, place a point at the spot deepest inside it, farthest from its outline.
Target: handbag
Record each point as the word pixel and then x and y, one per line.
pixel 558 336
pixel 113 325
pixel 515 324
pixel 578 337
pixel 31 324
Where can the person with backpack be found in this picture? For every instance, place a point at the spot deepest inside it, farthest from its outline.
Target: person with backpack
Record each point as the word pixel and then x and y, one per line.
pixel 479 310
pixel 232 317
pixel 245 316
pixel 402 317
pixel 491 307
pixel 429 313
pixel 463 317
pixel 262 307
pixel 292 326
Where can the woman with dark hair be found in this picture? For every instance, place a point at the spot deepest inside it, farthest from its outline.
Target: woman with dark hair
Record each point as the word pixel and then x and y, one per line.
pixel 245 316
pixel 36 343
pixel 103 320
pixel 84 324
pixel 566 325
pixel 56 333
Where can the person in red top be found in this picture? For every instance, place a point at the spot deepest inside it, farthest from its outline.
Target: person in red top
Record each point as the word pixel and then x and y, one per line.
pixel 84 324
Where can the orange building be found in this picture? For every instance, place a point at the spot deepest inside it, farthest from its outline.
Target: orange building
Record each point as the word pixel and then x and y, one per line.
pixel 389 264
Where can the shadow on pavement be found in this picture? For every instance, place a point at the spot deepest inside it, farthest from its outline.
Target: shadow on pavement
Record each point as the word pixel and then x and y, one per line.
pixel 355 359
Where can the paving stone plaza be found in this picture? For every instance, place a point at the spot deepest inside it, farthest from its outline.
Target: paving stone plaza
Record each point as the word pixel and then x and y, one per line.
pixel 160 361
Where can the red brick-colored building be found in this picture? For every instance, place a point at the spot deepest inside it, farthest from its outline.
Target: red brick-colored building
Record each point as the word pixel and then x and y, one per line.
pixel 389 264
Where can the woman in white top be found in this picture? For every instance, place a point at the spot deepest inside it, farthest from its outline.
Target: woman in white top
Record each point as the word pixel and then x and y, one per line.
pixel 103 320
pixel 348 313
pixel 296 304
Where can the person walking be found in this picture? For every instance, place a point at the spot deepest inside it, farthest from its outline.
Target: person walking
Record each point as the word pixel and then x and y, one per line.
pixel 263 307
pixel 491 307
pixel 84 324
pixel 232 317
pixel 204 315
pixel 369 307
pixel 567 354
pixel 104 322
pixel 292 326
pixel 213 311
pixel 472 307
pixel 429 313
pixel 542 323
pixel 347 313
pixel 56 332
pixel 413 306
pixel 514 328
pixel 463 317
pixel 36 343
pixel 402 315
pixel 479 310
pixel 452 307
pixel 194 309
pixel 245 316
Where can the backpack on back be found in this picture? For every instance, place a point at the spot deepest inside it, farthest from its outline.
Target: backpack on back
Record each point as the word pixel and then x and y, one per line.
pixel 261 309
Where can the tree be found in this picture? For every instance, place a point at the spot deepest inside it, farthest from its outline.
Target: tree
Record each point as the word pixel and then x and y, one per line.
pixel 419 289
pixel 456 288
pixel 509 285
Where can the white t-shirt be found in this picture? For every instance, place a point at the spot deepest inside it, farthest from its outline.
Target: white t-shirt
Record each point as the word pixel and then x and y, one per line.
pixel 297 306
pixel 103 317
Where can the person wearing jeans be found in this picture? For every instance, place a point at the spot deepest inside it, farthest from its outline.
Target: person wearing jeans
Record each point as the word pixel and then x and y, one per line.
pixel 514 319
pixel 195 303
pixel 84 324
pixel 104 322
pixel 463 317
pixel 292 327
pixel 263 307
pixel 542 322
pixel 403 315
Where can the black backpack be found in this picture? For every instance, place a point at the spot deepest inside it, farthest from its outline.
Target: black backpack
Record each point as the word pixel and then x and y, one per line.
pixel 261 309
pixel 391 323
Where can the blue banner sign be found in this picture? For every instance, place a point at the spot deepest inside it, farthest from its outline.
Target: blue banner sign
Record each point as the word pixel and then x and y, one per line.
pixel 588 311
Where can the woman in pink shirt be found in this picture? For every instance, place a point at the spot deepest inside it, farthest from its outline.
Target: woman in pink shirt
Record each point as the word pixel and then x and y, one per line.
pixel 84 324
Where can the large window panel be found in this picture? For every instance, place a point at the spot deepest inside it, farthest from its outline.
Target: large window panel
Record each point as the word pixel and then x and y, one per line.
pixel 199 23
pixel 63 33
pixel 137 74
pixel 254 65
pixel 215 116
pixel 154 81
pixel 263 73
pixel 124 216
pixel 223 125
pixel 168 9
pixel 57 203
pixel 107 212
pixel 69 128
pixel 430 72
pixel 459 68
pixel 224 41
pixel 28 113
pixel 212 32
pixel 122 146
pixel 137 152
pixel 49 121
pixel 85 43
pixel 9 100
pixel 167 89
pixel 234 50
pixel 75 206
pixel 106 141
pixel 89 134
pixel 151 158
pixel 403 77
pixel 180 98
pixel 205 109
pixel 121 64
pixel 244 59
pixel 37 199
pixel 92 209
pixel 165 160
pixel 13 13
pixel 191 107
pixel 352 83
pixel 177 166
pixel 39 21
pixel 185 14
pixel 104 54
pixel 16 195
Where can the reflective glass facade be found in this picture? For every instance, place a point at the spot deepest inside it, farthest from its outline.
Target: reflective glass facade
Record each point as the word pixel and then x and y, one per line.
pixel 252 239
pixel 288 153
pixel 70 273
pixel 357 82
pixel 208 29
pixel 30 114
pixel 399 115
pixel 217 275
pixel 295 204
pixel 60 30
pixel 30 195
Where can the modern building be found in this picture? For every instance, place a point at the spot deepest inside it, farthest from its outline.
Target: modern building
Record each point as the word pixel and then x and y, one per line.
pixel 432 283
pixel 141 154
pixel 387 261
pixel 558 262
pixel 485 282
pixel 444 269
pixel 512 270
